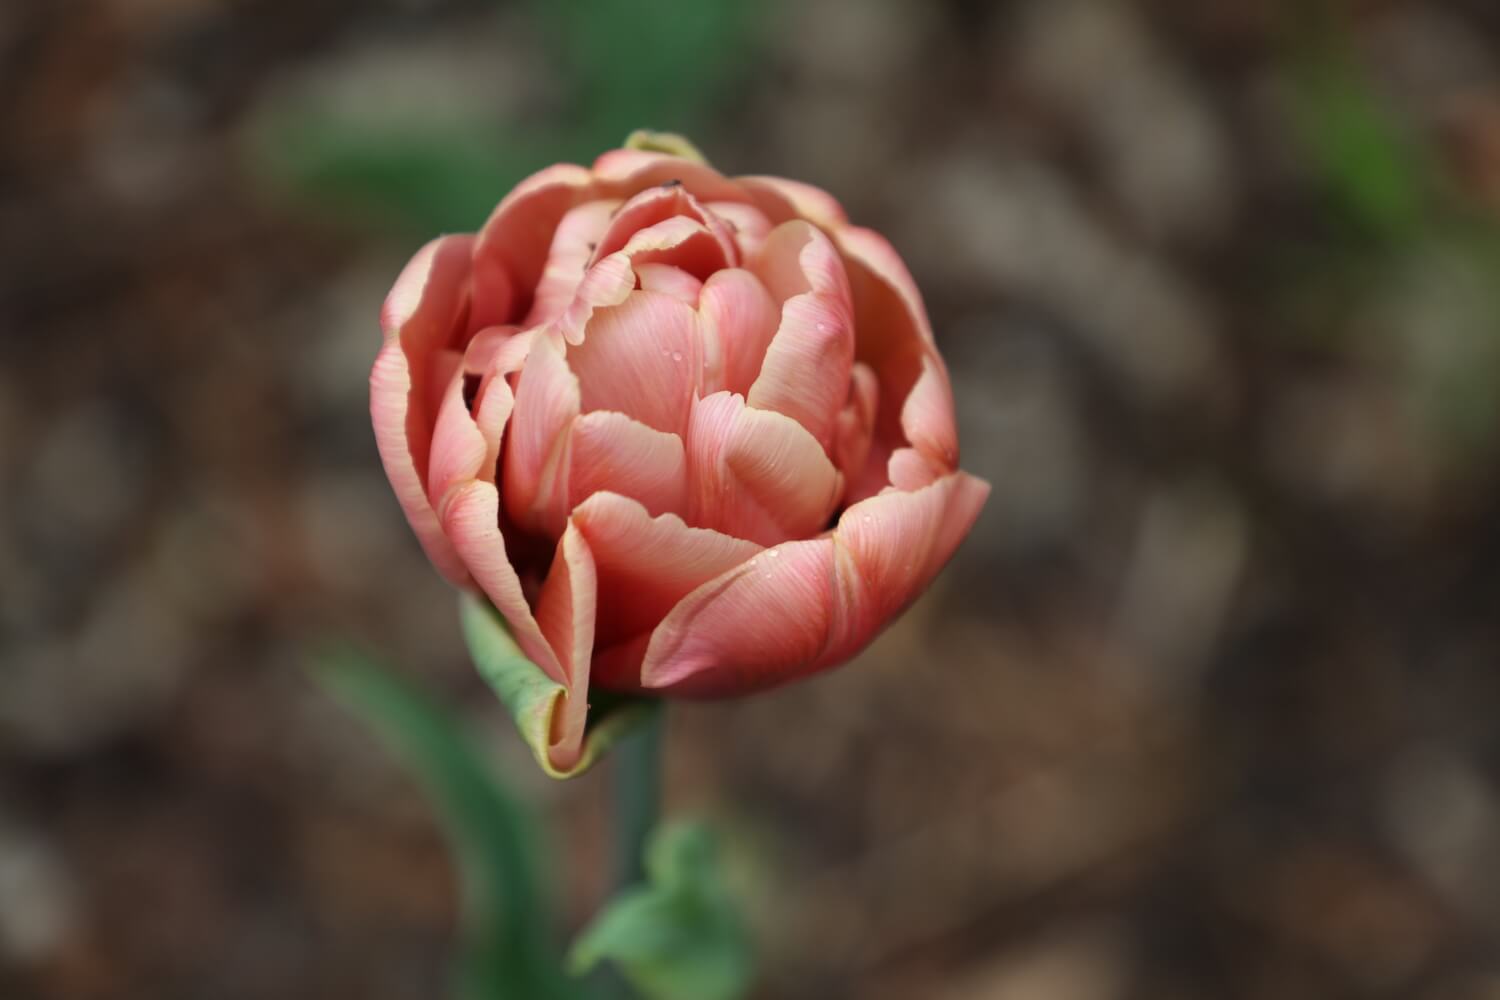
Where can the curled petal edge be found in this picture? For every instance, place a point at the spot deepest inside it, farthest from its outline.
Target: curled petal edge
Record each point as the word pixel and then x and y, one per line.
pixel 537 702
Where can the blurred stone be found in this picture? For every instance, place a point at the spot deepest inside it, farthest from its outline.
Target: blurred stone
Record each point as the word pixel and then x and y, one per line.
pixel 1188 560
pixel 209 557
pixel 86 478
pixel 1444 813
pixel 1337 440
pixel 1021 430
pixel 1090 963
pixel 1008 224
pixel 38 897
pixel 1163 152
pixel 116 672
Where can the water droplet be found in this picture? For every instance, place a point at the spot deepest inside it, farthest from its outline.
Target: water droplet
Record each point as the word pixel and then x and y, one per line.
pixel 822 327
pixel 676 355
pixel 773 553
pixel 868 518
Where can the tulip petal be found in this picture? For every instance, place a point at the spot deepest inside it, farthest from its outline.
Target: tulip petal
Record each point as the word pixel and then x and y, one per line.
pixel 669 280
pixel 546 402
pixel 805 374
pixel 568 259
pixel 623 172
pixel 610 451
pixel 748 223
pixel 654 206
pixel 809 605
pixel 856 424
pixel 681 242
pixel 782 199
pixel 756 474
pixel 565 613
pixel 466 438
pixel 641 358
pixel 418 318
pixel 519 232
pixel 739 318
pixel 646 565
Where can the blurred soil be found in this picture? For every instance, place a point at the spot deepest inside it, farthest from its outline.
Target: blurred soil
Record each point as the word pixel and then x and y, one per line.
pixel 1205 708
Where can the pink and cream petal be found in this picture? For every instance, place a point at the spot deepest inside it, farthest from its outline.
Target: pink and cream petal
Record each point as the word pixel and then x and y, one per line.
pixel 471 519
pixel 782 199
pixel 612 452
pixel 647 564
pixel 927 415
pixel 806 371
pixel 656 205
pixel 756 474
pixel 547 401
pixel 748 223
pixel 519 232
pixel 641 358
pixel 624 172
pixel 418 318
pixel 739 319
pixel 855 430
pixel 571 252
pixel 669 280
pixel 565 614
pixel 898 541
pixel 761 623
pixel 828 596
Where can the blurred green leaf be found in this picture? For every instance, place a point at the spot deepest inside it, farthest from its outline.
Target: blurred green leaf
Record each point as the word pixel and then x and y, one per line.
pixel 532 697
pixel 680 936
pixel 666 64
pixel 661 64
pixel 1368 160
pixel 509 949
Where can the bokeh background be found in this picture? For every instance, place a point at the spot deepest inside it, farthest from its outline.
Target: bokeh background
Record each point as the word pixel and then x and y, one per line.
pixel 1205 708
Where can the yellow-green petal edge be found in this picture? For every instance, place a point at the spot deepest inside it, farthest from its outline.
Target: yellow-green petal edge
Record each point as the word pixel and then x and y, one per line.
pixel 533 698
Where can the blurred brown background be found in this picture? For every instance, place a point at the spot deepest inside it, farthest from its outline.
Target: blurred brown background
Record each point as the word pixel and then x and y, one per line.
pixel 1206 706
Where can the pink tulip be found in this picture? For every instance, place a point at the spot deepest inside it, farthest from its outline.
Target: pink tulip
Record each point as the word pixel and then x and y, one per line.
pixel 689 434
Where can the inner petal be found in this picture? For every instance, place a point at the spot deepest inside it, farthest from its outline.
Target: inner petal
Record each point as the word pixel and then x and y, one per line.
pixel 756 474
pixel 657 205
pixel 739 319
pixel 806 370
pixel 572 248
pixel 642 359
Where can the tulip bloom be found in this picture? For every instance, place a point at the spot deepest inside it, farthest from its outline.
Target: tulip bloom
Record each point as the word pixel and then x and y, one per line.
pixel 690 435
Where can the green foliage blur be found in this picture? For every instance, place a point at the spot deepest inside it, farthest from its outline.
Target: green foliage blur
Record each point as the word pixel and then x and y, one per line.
pixel 626 65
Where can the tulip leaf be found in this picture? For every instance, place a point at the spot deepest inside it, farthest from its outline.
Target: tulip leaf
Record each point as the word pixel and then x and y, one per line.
pixel 509 950
pixel 679 936
pixel 533 698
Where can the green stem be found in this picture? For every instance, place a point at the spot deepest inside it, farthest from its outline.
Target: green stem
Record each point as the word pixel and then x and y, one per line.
pixel 637 798
pixel 636 788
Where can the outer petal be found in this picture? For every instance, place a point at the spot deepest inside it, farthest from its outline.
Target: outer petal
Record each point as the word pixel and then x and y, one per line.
pixel 805 374
pixel 895 339
pixel 739 318
pixel 806 606
pixel 519 232
pixel 546 402
pixel 572 248
pixel 749 224
pixel 641 358
pixel 613 452
pixel 756 474
pixel 418 320
pixel 782 199
pixel 565 612
pixel 623 172
pixel 647 564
